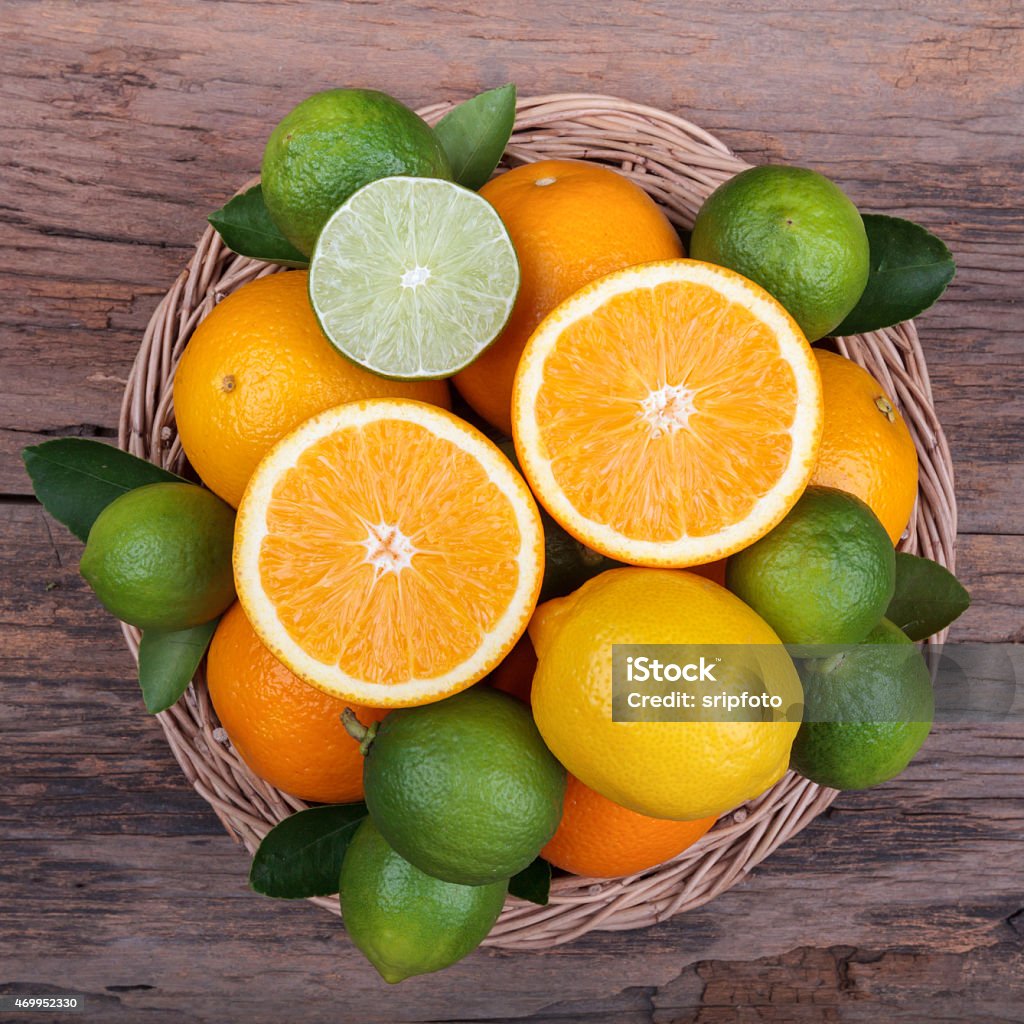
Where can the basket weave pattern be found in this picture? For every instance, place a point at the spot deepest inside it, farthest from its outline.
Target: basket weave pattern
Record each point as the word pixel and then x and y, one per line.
pixel 678 164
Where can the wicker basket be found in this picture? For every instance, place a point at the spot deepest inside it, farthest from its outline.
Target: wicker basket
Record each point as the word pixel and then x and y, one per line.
pixel 678 164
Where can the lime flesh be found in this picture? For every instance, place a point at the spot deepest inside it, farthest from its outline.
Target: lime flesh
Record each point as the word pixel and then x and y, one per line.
pixel 412 278
pixel 406 922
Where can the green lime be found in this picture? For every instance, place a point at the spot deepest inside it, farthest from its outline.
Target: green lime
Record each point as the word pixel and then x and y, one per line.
pixel 413 277
pixel 824 575
pixel 404 921
pixel 796 234
pixel 464 788
pixel 568 562
pixel 159 556
pixel 332 144
pixel 867 710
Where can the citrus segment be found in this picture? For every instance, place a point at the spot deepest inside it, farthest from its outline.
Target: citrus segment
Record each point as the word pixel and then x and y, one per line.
pixel 668 414
pixel 388 553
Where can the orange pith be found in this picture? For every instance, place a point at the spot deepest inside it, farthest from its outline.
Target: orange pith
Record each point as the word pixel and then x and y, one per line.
pixel 388 553
pixel 668 414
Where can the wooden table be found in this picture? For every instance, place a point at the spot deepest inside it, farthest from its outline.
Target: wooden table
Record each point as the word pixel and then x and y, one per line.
pixel 124 124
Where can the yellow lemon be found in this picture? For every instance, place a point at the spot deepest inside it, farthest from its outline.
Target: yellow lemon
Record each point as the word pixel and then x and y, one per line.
pixel 679 770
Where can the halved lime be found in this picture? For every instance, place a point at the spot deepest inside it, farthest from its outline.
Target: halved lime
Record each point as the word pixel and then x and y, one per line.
pixel 413 277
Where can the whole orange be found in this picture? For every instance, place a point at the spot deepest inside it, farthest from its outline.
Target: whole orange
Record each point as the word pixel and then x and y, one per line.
pixel 286 731
pixel 571 223
pixel 257 367
pixel 600 839
pixel 866 448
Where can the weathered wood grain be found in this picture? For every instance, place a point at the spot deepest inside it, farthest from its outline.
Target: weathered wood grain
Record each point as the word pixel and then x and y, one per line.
pixel 122 125
pixel 102 840
pixel 122 135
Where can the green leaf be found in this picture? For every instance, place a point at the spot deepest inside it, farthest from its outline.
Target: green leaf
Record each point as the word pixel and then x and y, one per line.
pixel 474 134
pixel 928 597
pixel 76 479
pixel 301 856
pixel 168 660
pixel 533 883
pixel 245 225
pixel 909 270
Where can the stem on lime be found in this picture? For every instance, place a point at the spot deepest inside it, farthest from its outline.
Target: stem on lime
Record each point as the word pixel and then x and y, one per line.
pixel 362 734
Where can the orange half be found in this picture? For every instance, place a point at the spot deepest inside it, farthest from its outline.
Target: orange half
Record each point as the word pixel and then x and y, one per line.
pixel 668 414
pixel 388 553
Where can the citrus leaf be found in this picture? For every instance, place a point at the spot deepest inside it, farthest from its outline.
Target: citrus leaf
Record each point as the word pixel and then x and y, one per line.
pixel 301 856
pixel 474 134
pixel 928 597
pixel 909 269
pixel 533 883
pixel 75 479
pixel 245 225
pixel 168 660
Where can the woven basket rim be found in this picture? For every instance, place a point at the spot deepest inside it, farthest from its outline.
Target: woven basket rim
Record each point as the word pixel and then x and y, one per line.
pixel 678 164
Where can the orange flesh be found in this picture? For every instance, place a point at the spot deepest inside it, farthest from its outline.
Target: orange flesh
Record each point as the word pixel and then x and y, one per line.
pixel 726 436
pixel 350 590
